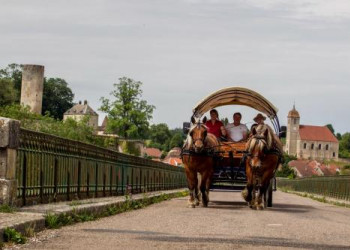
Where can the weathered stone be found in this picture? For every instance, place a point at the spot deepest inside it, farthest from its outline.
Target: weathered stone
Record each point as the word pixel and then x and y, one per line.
pixel 9 142
pixel 9 133
pixel 32 87
pixel 8 190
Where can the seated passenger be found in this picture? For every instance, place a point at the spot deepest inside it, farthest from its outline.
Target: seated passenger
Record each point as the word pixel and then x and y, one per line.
pixel 215 126
pixel 259 119
pixel 236 131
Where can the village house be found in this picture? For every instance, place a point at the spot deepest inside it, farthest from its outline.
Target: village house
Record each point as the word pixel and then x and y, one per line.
pixel 154 153
pixel 308 141
pixel 174 157
pixel 79 111
pixel 308 168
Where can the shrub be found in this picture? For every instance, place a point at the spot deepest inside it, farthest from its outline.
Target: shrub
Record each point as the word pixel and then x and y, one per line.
pixel 11 235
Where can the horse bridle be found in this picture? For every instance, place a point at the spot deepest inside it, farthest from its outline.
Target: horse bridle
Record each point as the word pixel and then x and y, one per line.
pixel 258 138
pixel 199 139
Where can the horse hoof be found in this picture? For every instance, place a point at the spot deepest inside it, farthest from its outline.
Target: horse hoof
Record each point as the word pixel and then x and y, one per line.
pixel 260 207
pixel 191 205
pixel 245 194
pixel 197 203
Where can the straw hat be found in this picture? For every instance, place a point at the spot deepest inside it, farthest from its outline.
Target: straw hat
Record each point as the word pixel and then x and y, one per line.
pixel 258 117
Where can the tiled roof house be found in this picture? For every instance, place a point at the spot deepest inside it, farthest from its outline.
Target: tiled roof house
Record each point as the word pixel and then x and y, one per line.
pixel 309 141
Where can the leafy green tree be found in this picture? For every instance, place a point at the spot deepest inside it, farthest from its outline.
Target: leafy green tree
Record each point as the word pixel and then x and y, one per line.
pixel 14 73
pixel 128 114
pixel 338 135
pixel 224 121
pixel 57 97
pixel 345 142
pixel 176 141
pixel 69 129
pixel 160 136
pixel 8 93
pixel 330 127
pixel 286 171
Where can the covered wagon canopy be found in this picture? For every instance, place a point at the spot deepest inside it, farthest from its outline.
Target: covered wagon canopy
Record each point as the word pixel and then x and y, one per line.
pixel 238 96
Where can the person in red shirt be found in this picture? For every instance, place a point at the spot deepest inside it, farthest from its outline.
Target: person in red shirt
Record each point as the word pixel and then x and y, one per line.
pixel 214 125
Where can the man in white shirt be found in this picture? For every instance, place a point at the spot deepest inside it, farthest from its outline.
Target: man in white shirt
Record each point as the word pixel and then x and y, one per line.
pixel 236 131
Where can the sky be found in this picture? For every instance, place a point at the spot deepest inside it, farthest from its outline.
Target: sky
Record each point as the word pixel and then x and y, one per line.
pixel 183 50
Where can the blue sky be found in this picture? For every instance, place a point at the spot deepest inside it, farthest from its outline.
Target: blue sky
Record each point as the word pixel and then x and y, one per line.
pixel 182 50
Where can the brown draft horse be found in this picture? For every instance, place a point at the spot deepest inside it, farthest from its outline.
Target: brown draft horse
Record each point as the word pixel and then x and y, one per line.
pixel 264 154
pixel 198 157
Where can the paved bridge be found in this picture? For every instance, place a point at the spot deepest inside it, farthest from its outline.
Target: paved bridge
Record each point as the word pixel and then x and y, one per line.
pixel 293 223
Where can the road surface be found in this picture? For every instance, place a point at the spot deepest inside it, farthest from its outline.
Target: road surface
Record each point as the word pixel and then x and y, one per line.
pixel 293 223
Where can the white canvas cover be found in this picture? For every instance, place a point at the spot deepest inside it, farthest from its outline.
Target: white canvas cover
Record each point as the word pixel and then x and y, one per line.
pixel 236 96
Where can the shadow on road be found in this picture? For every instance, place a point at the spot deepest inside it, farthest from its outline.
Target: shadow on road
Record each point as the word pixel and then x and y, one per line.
pixel 291 208
pixel 256 241
pixel 227 205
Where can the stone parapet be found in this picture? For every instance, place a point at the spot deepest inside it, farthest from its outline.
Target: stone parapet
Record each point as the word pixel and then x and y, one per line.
pixel 9 143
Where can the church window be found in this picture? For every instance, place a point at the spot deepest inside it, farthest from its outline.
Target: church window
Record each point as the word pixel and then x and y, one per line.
pixel 295 121
pixel 319 146
pixel 333 154
pixel 304 145
pixel 327 147
pixel 312 146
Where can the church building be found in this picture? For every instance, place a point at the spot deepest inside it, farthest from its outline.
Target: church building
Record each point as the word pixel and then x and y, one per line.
pixel 308 141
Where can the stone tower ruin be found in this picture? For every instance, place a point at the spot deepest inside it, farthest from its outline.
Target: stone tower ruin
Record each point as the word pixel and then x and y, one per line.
pixel 32 87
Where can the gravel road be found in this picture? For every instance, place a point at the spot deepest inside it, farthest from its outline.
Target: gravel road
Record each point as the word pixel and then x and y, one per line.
pixel 293 223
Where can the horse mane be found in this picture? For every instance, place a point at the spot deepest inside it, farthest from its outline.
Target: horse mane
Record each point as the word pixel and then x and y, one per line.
pixel 263 131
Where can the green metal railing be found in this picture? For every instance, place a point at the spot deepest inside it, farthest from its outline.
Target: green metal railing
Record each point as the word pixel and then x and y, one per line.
pixel 51 168
pixel 337 187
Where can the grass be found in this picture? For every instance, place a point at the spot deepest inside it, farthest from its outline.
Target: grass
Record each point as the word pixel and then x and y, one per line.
pixel 7 209
pixel 322 199
pixel 11 235
pixel 58 220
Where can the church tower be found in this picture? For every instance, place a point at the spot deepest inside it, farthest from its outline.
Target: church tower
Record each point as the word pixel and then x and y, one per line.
pixel 292 131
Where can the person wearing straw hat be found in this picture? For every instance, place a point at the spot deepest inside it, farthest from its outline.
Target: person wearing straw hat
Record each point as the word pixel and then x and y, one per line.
pixel 259 119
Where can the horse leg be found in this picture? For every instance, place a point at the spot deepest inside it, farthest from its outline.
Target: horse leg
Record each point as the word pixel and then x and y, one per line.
pixel 205 185
pixel 252 203
pixel 197 196
pixel 259 202
pixel 192 183
pixel 247 192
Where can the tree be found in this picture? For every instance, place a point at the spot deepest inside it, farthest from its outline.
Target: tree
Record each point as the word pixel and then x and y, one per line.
pixel 57 97
pixel 8 93
pixel 160 136
pixel 14 73
pixel 176 141
pixel 286 171
pixel 128 114
pixel 344 146
pixel 330 127
pixel 338 135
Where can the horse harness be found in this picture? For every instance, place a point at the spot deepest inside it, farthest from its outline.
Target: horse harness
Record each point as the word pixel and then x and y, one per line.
pixel 257 171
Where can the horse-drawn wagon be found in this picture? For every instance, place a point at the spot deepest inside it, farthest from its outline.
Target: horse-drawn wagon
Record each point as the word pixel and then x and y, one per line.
pixel 229 159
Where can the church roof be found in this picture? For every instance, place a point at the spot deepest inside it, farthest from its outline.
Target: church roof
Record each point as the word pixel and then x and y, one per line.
pixel 293 113
pixel 316 133
pixel 81 109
